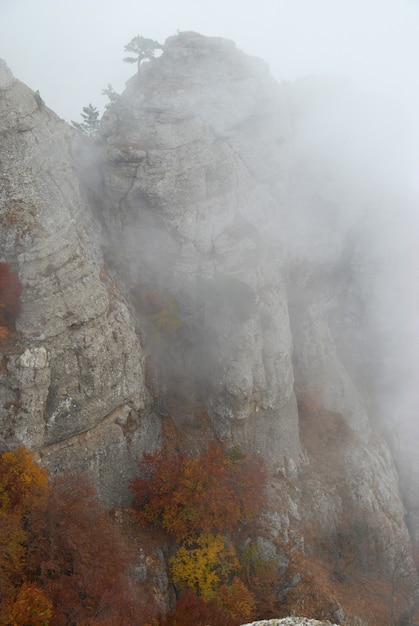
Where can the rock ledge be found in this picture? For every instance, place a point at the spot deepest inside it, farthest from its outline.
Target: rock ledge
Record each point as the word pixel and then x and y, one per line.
pixel 287 621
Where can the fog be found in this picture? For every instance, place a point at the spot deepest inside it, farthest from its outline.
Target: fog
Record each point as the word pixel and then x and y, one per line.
pixel 71 51
pixel 366 133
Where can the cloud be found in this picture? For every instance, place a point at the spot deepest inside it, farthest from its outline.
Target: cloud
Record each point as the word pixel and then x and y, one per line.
pixel 71 51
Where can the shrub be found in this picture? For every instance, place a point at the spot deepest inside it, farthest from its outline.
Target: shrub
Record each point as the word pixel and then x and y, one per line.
pixel 205 494
pixel 74 552
pixel 12 553
pixel 263 579
pixel 62 560
pixel 30 608
pixel 237 600
pixel 201 501
pixel 193 610
pixel 21 480
pixel 204 564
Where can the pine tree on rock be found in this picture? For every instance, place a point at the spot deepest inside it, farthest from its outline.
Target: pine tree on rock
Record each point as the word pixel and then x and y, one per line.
pixel 142 48
pixel 112 96
pixel 90 124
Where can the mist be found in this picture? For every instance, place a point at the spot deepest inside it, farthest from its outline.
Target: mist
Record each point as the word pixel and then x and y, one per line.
pixel 71 52
pixel 251 230
pixel 346 182
pixel 349 69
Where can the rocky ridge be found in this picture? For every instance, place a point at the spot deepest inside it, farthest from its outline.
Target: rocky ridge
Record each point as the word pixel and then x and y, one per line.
pixel 74 381
pixel 188 171
pixel 197 255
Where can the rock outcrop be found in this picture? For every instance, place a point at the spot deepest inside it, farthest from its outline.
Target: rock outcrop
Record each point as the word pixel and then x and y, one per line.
pixel 216 195
pixel 188 202
pixel 202 253
pixel 289 621
pixel 72 387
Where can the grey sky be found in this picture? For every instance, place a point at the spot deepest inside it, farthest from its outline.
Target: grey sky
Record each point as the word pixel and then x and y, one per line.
pixel 70 51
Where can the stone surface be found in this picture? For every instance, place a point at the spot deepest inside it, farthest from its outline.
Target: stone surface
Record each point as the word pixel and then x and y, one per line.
pixel 188 202
pixel 79 359
pixel 289 621
pixel 219 197
pixel 204 193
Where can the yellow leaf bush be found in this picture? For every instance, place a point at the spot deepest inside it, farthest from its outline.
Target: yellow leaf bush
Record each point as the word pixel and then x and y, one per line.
pixel 204 564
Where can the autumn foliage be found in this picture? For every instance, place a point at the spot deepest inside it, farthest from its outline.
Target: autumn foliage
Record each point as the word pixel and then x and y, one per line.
pixel 22 481
pixel 31 607
pixel 75 551
pixel 187 496
pixel 202 502
pixel 204 563
pixel 62 562
pixel 193 610
pixel 10 291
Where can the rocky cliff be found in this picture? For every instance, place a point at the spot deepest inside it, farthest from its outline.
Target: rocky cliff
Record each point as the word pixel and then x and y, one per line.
pixel 73 380
pixel 207 259
pixel 188 200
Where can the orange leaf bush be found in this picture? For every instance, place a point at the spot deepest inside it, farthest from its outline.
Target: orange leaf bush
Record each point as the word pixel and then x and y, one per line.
pixel 202 502
pixel 30 608
pixel 21 480
pixel 205 494
pixel 62 560
pixel 237 600
pixel 12 553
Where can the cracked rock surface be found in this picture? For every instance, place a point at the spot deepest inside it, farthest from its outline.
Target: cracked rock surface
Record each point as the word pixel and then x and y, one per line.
pixel 201 187
pixel 79 360
pixel 289 621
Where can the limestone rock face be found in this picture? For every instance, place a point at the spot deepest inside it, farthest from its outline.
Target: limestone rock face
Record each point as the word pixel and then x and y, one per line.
pixel 188 201
pixel 77 372
pixel 290 621
pixel 200 253
pixel 220 196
